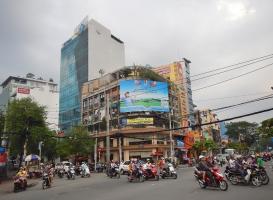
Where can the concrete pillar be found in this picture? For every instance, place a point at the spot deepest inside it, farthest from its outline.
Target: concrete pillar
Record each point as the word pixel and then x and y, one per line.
pixel 126 155
pixel 115 142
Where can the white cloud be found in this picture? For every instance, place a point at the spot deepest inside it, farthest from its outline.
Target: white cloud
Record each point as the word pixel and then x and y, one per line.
pixel 235 10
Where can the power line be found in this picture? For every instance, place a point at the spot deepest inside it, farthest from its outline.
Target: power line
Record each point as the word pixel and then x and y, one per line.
pixel 231 65
pixel 218 83
pixel 229 70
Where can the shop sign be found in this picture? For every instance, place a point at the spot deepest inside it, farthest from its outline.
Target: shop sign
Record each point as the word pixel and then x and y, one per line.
pixel 23 90
pixel 140 120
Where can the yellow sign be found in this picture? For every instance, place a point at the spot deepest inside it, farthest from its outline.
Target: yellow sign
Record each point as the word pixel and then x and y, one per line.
pixel 140 120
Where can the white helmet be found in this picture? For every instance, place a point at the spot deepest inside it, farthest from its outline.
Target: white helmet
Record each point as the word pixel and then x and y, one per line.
pixel 201 156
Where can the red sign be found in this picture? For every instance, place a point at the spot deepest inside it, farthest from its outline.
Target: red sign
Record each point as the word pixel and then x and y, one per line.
pixel 3 157
pixel 23 90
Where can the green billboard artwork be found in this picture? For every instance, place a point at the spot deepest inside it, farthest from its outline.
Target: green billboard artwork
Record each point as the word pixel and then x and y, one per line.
pixel 143 95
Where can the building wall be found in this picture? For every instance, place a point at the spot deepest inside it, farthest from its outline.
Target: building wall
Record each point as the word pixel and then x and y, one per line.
pixel 42 92
pixel 73 73
pixel 104 52
pixel 178 72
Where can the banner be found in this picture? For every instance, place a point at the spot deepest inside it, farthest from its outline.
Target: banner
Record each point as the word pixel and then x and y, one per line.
pixel 136 121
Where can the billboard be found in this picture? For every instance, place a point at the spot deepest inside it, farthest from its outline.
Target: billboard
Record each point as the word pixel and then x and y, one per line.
pixel 143 95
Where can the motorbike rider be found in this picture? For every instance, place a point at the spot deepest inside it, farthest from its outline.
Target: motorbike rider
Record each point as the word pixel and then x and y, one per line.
pixel 22 174
pixel 113 165
pixel 50 171
pixel 204 167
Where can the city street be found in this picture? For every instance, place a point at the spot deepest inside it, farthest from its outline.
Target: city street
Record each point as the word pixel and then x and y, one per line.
pixel 100 187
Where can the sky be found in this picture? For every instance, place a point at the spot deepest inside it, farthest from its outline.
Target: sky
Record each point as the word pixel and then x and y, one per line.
pixel 211 34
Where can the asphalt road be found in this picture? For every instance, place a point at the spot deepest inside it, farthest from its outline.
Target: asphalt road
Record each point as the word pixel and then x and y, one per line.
pixel 100 187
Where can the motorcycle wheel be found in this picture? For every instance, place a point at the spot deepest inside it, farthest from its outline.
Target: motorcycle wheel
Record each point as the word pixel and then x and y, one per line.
pixel 141 179
pixel 16 188
pixel 118 175
pixel 44 184
pixel 174 176
pixel 265 179
pixel 233 179
pixel 157 178
pixel 202 184
pixel 73 177
pixel 256 181
pixel 223 185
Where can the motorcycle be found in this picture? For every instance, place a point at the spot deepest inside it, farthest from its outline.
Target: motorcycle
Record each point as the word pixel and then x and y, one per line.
pixel 60 173
pixel 169 172
pixel 114 172
pixel 136 175
pixel 46 182
pixel 236 177
pixel 217 179
pixel 71 173
pixel 264 176
pixel 19 184
pixel 150 173
pixel 84 171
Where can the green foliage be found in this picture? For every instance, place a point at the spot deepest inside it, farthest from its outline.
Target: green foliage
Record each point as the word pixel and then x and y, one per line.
pixel 2 123
pixel 202 145
pixel 240 147
pixel 267 128
pixel 243 131
pixel 25 123
pixel 77 142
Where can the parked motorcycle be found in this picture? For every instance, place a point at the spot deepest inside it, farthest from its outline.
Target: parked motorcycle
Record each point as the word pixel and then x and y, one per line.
pixel 169 172
pixel 46 182
pixel 150 172
pixel 217 179
pixel 19 184
pixel 71 173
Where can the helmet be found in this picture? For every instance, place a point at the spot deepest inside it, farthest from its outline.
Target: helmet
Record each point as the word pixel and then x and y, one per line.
pixel 201 156
pixel 252 156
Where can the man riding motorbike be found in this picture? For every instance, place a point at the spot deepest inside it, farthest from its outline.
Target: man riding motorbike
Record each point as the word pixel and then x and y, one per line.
pixel 204 167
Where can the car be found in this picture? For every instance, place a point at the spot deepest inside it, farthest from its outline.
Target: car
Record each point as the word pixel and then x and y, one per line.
pixel 123 167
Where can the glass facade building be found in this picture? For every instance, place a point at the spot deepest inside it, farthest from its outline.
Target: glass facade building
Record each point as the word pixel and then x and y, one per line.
pixel 73 73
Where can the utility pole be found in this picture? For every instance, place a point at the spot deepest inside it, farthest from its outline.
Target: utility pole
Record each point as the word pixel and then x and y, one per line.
pixel 107 130
pixel 120 151
pixel 171 135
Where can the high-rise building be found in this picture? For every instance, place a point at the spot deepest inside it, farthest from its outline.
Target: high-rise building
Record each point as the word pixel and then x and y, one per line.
pixel 179 73
pixel 43 92
pixel 92 48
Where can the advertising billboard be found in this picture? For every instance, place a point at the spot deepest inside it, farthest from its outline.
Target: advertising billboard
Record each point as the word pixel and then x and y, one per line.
pixel 143 95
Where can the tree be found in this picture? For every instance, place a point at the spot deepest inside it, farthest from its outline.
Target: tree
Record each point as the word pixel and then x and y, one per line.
pixel 243 131
pixel 2 123
pixel 202 145
pixel 77 142
pixel 267 128
pixel 25 125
